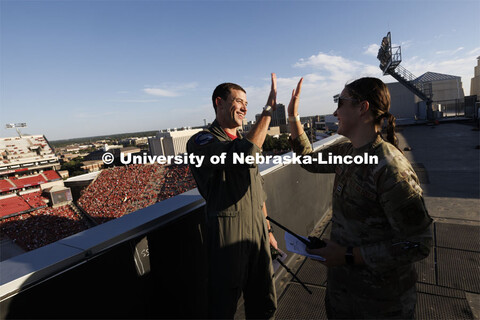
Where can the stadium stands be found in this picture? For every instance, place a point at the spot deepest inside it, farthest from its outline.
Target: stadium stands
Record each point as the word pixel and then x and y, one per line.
pixel 28 181
pixel 13 183
pixel 26 164
pixel 26 218
pixel 35 199
pixel 51 175
pixel 25 149
pixel 12 205
pixel 178 179
pixel 121 190
pixel 42 226
pixel 6 185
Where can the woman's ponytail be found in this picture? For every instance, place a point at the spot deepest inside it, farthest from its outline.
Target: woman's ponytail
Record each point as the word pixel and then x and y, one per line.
pixel 391 137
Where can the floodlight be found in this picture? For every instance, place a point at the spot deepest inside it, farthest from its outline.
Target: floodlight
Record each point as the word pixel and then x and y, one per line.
pixel 16 126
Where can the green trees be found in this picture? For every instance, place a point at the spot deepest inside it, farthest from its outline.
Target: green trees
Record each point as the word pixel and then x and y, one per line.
pixel 276 144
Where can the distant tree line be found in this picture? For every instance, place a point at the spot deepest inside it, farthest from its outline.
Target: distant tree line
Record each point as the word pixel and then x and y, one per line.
pixel 276 144
pixel 74 167
pixel 113 137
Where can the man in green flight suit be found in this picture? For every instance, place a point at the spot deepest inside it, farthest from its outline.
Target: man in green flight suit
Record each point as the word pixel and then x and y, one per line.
pixel 238 235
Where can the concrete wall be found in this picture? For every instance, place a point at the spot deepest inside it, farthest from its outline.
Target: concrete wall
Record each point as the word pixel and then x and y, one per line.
pixel 447 90
pixel 403 102
pixel 93 274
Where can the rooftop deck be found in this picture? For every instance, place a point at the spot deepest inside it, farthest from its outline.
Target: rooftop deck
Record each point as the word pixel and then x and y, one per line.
pixel 447 163
pixel 151 263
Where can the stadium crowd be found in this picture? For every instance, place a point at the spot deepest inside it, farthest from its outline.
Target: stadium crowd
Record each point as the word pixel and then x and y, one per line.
pixel 42 226
pixel 178 179
pixel 120 190
pixel 116 191
pixel 35 199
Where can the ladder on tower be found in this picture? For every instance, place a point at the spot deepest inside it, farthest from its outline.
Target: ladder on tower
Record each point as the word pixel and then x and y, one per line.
pixel 390 58
pixel 405 77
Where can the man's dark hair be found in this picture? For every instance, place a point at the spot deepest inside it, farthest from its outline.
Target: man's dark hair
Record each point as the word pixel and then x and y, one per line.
pixel 223 91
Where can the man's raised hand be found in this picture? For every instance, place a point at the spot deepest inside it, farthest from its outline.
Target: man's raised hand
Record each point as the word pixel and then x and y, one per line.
pixel 272 98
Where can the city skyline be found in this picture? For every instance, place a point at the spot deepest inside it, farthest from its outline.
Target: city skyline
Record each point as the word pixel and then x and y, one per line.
pixel 74 69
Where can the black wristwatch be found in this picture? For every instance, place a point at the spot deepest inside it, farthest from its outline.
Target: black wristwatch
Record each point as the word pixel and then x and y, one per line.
pixel 349 256
pixel 270 230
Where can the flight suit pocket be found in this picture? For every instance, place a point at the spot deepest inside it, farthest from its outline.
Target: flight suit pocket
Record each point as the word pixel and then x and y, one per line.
pixel 227 213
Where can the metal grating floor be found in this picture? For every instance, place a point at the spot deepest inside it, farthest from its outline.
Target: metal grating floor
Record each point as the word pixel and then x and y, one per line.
pixel 312 272
pixel 458 236
pixel 458 269
pixel 440 307
pixel 452 269
pixel 297 303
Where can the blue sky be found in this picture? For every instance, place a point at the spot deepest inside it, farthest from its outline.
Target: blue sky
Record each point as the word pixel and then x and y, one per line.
pixel 84 68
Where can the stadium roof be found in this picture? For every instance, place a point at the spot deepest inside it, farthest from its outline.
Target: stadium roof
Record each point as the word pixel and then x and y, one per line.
pixel 84 177
pixel 433 76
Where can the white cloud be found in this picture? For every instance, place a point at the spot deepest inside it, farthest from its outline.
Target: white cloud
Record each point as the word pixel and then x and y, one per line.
pixel 138 100
pixel 461 66
pixel 324 76
pixel 170 90
pixel 161 92
pixel 372 50
pixel 474 51
pixel 334 71
pixel 449 52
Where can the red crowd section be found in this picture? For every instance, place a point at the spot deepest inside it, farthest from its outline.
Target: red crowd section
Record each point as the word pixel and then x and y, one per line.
pixel 35 199
pixel 18 204
pixel 178 179
pixel 115 192
pixel 121 190
pixel 41 227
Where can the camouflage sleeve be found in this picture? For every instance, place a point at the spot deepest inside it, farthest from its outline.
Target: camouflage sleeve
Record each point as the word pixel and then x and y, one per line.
pixel 301 145
pixel 206 145
pixel 401 198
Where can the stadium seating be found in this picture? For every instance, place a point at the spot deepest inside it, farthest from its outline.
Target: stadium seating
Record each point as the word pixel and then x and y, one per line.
pixel 28 181
pixel 51 175
pixel 35 199
pixel 115 192
pixel 121 190
pixel 42 226
pixel 5 185
pixel 12 205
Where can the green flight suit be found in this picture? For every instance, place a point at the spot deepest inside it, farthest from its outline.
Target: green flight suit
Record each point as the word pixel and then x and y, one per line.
pixel 380 209
pixel 237 236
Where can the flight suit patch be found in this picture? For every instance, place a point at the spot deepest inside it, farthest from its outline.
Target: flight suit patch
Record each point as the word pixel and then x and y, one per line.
pixel 203 138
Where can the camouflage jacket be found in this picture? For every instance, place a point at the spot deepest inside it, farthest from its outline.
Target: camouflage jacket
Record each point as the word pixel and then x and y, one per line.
pixel 378 208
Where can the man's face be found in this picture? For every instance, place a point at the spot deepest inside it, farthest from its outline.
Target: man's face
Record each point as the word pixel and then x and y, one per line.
pixel 232 111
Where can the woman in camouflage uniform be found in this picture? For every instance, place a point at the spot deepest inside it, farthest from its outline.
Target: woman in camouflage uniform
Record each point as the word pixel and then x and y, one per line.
pixel 380 225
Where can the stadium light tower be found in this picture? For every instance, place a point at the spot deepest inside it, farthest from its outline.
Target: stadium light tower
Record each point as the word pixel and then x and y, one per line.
pixel 16 126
